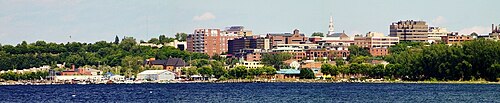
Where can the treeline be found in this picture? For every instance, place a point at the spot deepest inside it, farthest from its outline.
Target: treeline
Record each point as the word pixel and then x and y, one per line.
pixel 24 76
pixel 216 68
pixel 24 55
pixel 472 60
pixel 163 39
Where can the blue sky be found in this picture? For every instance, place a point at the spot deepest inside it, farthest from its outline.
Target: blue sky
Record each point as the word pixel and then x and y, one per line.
pixel 96 20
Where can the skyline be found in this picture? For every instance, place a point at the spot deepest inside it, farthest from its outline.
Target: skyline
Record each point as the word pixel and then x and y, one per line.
pixel 91 21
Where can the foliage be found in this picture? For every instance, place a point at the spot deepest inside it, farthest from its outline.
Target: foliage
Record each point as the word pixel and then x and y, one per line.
pixel 356 51
pixel 181 36
pixel 317 34
pixel 24 76
pixel 467 61
pixel 306 74
pixel 205 71
pixel 276 60
pixel 329 69
pixel 190 71
pixel 27 55
pixel 238 72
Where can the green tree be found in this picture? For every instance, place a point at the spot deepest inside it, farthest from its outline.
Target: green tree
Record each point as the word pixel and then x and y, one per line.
pixel 238 72
pixel 206 71
pixel 494 73
pixel 117 40
pixel 275 60
pixel 326 68
pixel 306 74
pixel 317 34
pixel 154 41
pixel 181 36
pixel 190 71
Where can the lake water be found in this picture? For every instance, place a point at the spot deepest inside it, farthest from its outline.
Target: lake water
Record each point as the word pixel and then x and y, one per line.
pixel 253 92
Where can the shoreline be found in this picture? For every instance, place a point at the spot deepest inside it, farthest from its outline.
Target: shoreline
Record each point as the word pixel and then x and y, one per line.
pixel 272 81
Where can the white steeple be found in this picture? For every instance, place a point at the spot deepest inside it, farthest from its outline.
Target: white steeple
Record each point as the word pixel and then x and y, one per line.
pixel 330 27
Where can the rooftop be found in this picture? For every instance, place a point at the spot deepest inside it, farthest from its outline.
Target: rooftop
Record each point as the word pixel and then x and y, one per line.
pixel 288 71
pixel 153 71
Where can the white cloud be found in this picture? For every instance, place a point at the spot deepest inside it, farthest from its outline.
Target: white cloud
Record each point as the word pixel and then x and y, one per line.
pixel 477 29
pixel 205 16
pixel 438 21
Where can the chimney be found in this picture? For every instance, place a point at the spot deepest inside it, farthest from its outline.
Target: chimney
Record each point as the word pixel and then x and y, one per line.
pixel 73 67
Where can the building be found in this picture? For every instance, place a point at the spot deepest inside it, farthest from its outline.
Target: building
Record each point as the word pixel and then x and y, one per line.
pixel 287 38
pixel 288 74
pixel 80 71
pixel 177 44
pixel 172 64
pixel 236 45
pixel 156 75
pixel 213 41
pixel 495 33
pixel 456 39
pixel 436 34
pixel 330 26
pixel 376 43
pixel 237 30
pixel 410 30
pixel 249 64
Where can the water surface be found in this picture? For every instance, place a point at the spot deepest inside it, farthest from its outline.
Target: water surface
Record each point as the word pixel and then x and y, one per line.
pixel 253 92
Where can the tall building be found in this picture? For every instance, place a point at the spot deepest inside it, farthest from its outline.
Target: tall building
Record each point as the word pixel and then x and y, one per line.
pixel 377 43
pixel 410 30
pixel 213 41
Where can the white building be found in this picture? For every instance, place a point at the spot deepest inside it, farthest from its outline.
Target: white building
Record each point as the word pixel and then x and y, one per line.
pixel 156 75
pixel 249 64
pixel 435 34
pixel 177 44
pixel 79 77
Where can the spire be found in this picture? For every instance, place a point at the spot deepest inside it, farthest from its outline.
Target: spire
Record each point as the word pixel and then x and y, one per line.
pixel 330 26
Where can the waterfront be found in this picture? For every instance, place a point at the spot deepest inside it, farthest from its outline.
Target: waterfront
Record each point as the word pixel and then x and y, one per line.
pixel 253 92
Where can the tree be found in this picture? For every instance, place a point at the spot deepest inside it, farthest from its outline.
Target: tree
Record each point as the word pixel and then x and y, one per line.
pixel 494 72
pixel 117 40
pixel 154 41
pixel 190 71
pixel 206 71
pixel 317 34
pixel 131 64
pixel 219 71
pixel 181 36
pixel 275 60
pixel 127 43
pixel 306 74
pixel 358 51
pixel 238 72
pixel 326 68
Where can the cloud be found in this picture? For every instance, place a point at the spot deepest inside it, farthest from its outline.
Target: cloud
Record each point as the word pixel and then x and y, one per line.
pixel 439 20
pixel 205 16
pixel 477 29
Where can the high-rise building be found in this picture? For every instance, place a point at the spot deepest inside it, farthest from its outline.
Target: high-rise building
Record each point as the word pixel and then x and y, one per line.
pixel 410 30
pixel 213 41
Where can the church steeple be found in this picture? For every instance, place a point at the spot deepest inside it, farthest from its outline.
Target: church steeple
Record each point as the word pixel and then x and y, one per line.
pixel 330 27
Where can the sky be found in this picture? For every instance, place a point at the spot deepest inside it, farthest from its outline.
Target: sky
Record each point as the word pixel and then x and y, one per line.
pixel 89 21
